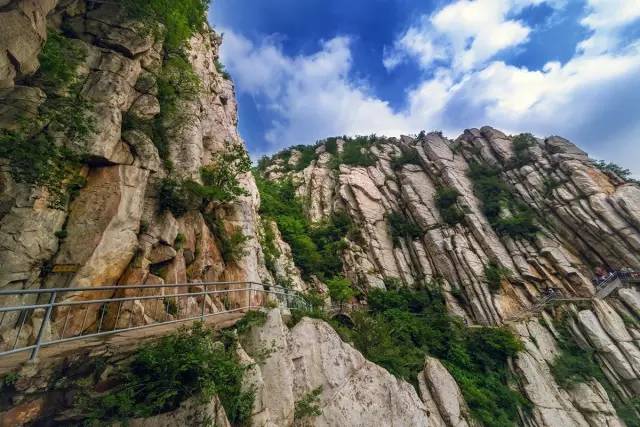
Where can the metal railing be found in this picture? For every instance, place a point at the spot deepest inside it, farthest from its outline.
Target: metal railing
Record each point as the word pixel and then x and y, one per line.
pixel 624 276
pixel 33 318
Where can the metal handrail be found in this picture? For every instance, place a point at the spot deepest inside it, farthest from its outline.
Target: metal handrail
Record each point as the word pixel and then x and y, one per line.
pixel 207 303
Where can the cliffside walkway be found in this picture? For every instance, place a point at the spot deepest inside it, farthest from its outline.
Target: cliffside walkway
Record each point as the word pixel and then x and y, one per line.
pixel 604 288
pixel 32 320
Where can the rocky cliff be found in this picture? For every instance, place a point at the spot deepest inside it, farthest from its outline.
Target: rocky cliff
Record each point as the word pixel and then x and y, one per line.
pixel 85 210
pixel 499 221
pixel 111 131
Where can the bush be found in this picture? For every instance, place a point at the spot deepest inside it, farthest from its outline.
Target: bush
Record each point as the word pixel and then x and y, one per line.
pixel 307 155
pixel 315 308
pixel 174 195
pixel 356 151
pixel 623 173
pixel 408 156
pixel 496 197
pixel 46 149
pixel 232 244
pixel 220 178
pixel 446 201
pixel 308 406
pixel 392 283
pixel 494 274
pixel 179 18
pixel 269 248
pixel 221 70
pixel 164 374
pixel 220 183
pixel 402 326
pixel 316 248
pixel 179 242
pixel 340 289
pixel 251 318
pixel 331 145
pixel 176 83
pixel 403 228
pixel 521 153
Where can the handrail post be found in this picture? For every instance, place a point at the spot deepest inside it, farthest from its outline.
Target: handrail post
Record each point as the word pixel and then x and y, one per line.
pixel 43 325
pixel 204 297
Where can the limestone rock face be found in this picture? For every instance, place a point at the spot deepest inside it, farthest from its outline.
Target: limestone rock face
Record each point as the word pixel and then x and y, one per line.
pixel 23 34
pixel 355 392
pixel 439 388
pixel 114 229
pixel 587 217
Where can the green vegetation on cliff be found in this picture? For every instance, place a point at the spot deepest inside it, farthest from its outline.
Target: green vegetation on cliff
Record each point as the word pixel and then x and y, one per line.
pixel 403 326
pixel 576 365
pixel 506 214
pixel 164 374
pixel 316 247
pixel 45 146
pixel 179 19
pixel 446 201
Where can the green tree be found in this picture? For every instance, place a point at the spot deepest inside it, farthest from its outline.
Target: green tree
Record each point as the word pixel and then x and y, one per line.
pixel 340 289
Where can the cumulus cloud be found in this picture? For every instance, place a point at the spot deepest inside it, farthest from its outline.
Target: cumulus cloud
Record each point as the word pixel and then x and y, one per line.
pixel 464 33
pixel 313 95
pixel 591 98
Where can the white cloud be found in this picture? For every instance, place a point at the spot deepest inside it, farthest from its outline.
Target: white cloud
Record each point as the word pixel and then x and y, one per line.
pixel 590 99
pixel 465 33
pixel 607 18
pixel 312 94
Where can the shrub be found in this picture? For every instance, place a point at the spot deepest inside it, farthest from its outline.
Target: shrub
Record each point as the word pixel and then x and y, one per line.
pixel 340 289
pixel 496 197
pixel 316 248
pixel 269 248
pixel 446 201
pixel 331 145
pixel 220 68
pixel 220 178
pixel 174 195
pixel 8 380
pixel 402 227
pixel 46 149
pixel 251 318
pixel 232 243
pixel 220 183
pixel 573 364
pixel 576 365
pixel 408 156
pixel 549 185
pixel 179 242
pixel 180 19
pixel 176 83
pixel 309 405
pixel 623 173
pixel 404 325
pixel 59 60
pixel 392 283
pixel 521 153
pixel 356 152
pixel 494 274
pixel 307 155
pixel 164 374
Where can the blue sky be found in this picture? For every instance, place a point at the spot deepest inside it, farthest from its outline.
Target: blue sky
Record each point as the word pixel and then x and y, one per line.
pixel 305 70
